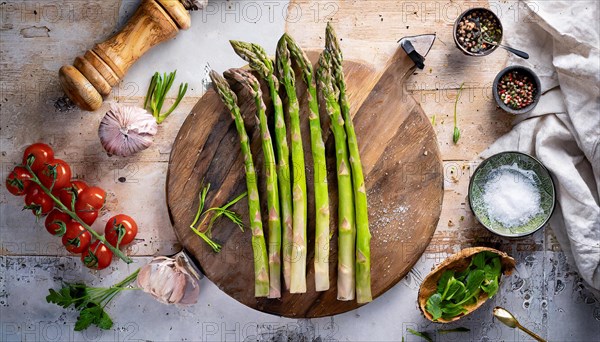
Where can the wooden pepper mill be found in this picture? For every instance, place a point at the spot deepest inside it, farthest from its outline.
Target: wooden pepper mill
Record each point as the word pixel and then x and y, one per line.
pixel 93 75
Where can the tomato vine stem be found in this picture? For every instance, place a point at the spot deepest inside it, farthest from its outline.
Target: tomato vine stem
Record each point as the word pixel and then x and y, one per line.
pixel 74 216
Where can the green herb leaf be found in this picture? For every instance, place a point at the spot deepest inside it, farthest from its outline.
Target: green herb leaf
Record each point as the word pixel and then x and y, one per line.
pixel 443 281
pixel 447 331
pixel 423 334
pixel 61 298
pixel 456 291
pixel 93 314
pixel 456 134
pixel 474 280
pixel 157 92
pixel 218 212
pixel 433 306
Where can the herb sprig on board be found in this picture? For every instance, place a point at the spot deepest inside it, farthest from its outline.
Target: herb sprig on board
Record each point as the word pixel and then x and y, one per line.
pixel 459 289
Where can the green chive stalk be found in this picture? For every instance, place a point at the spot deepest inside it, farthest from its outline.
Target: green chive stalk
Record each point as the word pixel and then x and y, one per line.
pixel 261 266
pixel 321 261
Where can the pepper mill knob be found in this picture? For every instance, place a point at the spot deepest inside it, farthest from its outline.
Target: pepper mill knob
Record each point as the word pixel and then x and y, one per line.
pixel 93 75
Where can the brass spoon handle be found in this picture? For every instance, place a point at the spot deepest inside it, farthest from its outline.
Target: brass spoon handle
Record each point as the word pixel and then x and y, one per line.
pixel 531 333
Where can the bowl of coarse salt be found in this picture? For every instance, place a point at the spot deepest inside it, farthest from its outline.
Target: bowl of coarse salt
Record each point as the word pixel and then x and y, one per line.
pixel 512 194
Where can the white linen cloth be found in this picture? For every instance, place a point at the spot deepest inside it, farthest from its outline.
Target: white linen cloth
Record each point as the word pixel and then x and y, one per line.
pixel 563 131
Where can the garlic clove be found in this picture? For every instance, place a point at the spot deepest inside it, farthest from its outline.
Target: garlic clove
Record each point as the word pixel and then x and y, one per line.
pixel 179 284
pixel 143 278
pixel 126 130
pixel 192 292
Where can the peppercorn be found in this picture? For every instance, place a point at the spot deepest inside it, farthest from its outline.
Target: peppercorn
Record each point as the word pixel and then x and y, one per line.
pixel 478 28
pixel 516 90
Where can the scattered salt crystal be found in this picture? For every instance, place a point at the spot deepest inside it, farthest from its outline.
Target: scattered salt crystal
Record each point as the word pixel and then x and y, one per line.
pixel 511 197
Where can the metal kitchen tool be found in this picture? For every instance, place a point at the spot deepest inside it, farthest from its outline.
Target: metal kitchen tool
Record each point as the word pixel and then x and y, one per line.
pixel 417 47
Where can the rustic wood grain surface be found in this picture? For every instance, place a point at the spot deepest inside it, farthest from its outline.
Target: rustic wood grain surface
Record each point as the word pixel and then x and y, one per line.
pixel 38 37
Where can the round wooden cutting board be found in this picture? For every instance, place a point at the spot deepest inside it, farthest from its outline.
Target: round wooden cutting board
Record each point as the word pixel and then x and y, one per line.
pixel 404 179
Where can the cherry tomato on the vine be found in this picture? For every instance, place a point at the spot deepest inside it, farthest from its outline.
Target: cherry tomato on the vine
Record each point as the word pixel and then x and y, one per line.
pixel 56 222
pixel 42 153
pixel 57 173
pixel 88 216
pixel 120 227
pixel 18 181
pixel 91 198
pixel 97 256
pixel 66 194
pixel 77 239
pixel 37 200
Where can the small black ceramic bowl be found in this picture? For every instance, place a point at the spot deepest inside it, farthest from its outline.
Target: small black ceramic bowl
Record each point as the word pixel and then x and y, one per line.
pixel 536 91
pixel 473 16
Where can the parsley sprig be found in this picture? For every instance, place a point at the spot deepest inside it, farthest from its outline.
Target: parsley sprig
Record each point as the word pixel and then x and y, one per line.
pixel 90 301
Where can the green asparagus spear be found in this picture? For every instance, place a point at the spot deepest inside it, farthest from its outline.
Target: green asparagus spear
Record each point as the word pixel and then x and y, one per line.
pixel 319 167
pixel 261 266
pixel 250 82
pixel 363 235
pixel 299 201
pixel 346 228
pixel 260 62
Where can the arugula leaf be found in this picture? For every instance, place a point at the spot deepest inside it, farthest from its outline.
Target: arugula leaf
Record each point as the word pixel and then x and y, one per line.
pixel 474 280
pixel 456 290
pixel 433 306
pixel 478 261
pixel 423 334
pixel 443 282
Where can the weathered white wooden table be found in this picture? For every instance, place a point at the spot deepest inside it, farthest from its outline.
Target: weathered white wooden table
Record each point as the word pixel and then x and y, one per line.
pixel 37 37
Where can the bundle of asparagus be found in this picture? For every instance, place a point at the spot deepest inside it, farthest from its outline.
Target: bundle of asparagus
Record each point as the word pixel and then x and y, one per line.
pixel 261 267
pixel 287 195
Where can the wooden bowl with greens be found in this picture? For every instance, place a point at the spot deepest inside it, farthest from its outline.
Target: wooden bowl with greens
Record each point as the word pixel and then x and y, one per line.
pixel 462 283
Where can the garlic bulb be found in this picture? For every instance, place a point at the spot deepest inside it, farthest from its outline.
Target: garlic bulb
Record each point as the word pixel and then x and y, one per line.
pixel 126 130
pixel 170 280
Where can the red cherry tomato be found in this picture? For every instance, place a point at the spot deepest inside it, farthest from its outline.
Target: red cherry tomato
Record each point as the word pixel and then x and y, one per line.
pixel 89 217
pixel 58 171
pixel 120 227
pixel 56 222
pixel 91 198
pixel 42 153
pixel 76 239
pixel 37 200
pixel 97 256
pixel 18 181
pixel 66 194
